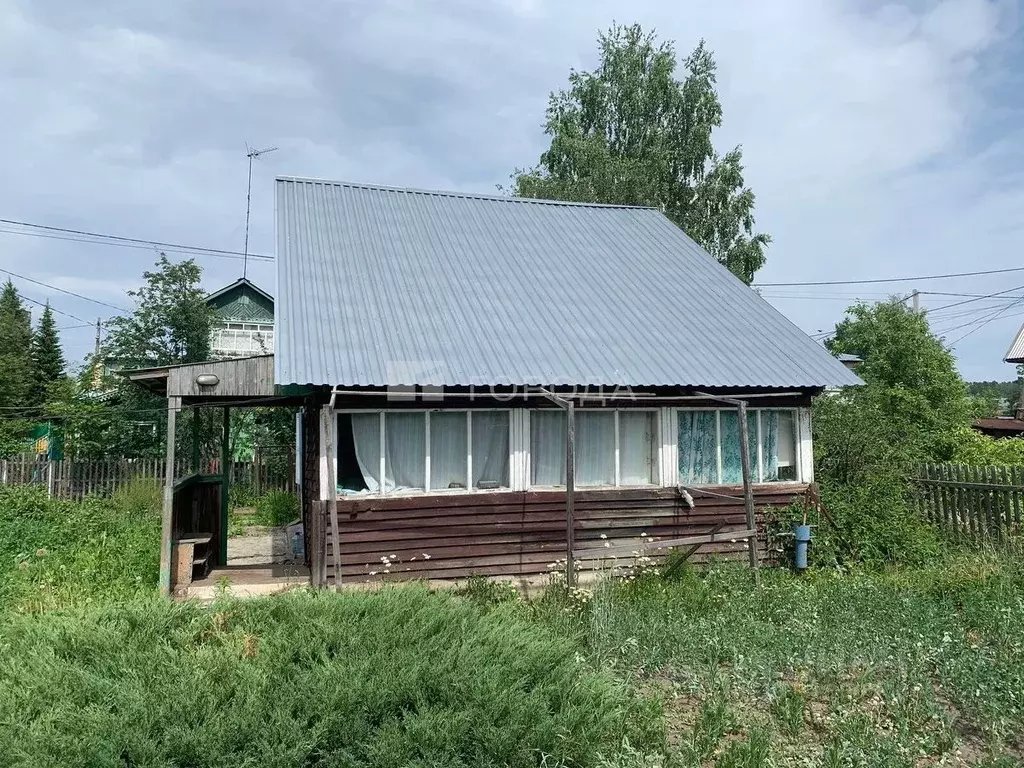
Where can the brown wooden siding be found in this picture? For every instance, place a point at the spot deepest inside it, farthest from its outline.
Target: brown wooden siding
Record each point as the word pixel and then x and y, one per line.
pixel 520 533
pixel 311 479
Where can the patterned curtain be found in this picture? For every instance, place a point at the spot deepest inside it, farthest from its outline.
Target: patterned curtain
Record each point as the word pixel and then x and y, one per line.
pixel 698 456
pixel 732 462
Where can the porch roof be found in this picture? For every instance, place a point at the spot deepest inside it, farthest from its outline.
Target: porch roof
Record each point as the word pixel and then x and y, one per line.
pixel 242 380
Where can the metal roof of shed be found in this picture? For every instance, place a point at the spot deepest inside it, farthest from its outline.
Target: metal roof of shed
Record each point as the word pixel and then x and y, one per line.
pixel 378 286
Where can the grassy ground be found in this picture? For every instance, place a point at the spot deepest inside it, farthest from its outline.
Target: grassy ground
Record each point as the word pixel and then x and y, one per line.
pixel 911 668
pixel 883 669
pixel 57 553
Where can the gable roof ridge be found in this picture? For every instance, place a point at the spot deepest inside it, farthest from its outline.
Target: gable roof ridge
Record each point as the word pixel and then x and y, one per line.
pixel 240 282
pixel 458 195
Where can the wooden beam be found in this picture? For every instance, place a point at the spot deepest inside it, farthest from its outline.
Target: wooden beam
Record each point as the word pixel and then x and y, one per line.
pixel 167 519
pixel 332 489
pixel 225 485
pixel 748 492
pixel 570 494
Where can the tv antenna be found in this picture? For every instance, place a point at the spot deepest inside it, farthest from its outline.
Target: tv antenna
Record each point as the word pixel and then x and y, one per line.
pixel 252 154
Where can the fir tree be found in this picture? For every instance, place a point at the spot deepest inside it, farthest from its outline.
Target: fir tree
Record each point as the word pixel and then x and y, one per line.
pixel 16 369
pixel 47 356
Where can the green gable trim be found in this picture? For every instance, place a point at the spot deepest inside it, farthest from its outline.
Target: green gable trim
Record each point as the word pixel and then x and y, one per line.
pixel 242 303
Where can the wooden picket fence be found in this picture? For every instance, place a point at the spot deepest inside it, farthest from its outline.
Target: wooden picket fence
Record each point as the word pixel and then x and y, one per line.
pixel 74 480
pixel 977 502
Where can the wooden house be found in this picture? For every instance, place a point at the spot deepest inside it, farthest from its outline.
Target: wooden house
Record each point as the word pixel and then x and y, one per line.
pixel 489 383
pixel 244 320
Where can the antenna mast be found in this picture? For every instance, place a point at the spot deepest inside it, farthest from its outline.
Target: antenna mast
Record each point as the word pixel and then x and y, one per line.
pixel 251 154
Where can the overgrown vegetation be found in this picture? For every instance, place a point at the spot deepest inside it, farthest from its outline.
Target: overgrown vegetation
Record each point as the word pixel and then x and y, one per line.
pixel 399 677
pixel 870 441
pixel 894 669
pixel 277 508
pixel 56 553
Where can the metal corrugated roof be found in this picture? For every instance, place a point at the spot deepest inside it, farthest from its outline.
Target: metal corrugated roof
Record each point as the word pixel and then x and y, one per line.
pixel 1015 354
pixel 378 286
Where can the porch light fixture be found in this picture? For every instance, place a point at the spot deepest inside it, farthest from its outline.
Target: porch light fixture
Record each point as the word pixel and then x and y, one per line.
pixel 207 380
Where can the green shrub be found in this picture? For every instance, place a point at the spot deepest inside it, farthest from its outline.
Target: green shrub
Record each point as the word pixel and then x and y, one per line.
pixel 59 552
pixel 396 677
pixel 972 447
pixel 277 508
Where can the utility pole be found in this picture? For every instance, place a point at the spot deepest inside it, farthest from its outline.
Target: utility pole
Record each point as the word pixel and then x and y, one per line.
pixel 251 154
pixel 99 324
pixel 915 299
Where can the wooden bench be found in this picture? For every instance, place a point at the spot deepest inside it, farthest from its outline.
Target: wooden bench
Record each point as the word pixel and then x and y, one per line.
pixel 190 558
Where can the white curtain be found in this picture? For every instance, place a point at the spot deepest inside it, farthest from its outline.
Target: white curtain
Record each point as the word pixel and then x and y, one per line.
pixel 448 450
pixel 490 448
pixel 595 448
pixel 547 447
pixel 405 451
pixel 638 448
pixel 366 436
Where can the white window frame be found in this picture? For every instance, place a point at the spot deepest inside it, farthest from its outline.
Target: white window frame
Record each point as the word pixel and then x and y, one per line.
pixel 803 459
pixel 427 491
pixel 657 459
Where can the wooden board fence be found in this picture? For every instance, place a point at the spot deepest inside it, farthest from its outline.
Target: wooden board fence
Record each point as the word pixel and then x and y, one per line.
pixel 975 501
pixel 75 480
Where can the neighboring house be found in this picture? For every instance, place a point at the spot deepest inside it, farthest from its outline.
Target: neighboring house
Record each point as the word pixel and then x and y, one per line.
pixel 1000 426
pixel 1006 426
pixel 850 361
pixel 244 323
pixel 441 335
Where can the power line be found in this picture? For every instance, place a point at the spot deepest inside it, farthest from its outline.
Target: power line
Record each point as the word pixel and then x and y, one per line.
pixel 979 322
pixel 52 308
pixel 61 290
pixel 85 236
pixel 979 298
pixel 892 279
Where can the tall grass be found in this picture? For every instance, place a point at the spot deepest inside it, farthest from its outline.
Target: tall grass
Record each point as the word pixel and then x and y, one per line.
pixel 56 553
pixel 395 678
pixel 865 668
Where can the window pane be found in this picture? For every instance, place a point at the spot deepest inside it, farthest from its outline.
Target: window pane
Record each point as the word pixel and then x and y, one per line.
pixel 778 445
pixel 698 440
pixel 447 450
pixel 595 448
pixel 359 451
pixel 547 447
pixel 490 449
pixel 405 451
pixel 638 448
pixel 732 461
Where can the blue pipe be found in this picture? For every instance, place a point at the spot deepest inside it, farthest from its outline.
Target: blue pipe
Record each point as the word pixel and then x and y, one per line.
pixel 802 534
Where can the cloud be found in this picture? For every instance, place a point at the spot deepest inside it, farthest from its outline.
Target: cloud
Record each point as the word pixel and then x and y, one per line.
pixel 880 139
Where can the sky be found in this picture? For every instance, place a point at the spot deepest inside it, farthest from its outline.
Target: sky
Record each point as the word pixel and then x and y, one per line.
pixel 881 139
